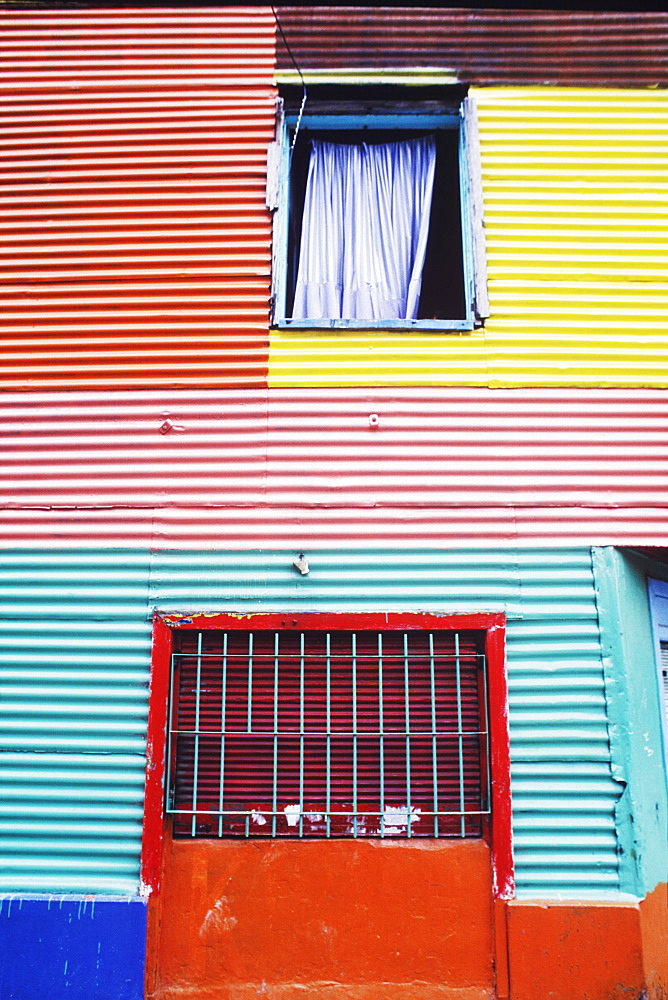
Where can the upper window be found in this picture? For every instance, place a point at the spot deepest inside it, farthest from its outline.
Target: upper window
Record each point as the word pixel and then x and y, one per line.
pixel 377 211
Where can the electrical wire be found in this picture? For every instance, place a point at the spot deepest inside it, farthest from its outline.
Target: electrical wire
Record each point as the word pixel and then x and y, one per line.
pixel 301 77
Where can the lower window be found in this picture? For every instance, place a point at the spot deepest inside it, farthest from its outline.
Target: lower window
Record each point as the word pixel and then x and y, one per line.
pixel 303 732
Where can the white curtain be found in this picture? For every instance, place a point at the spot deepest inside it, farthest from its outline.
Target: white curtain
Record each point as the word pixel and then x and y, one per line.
pixel 364 230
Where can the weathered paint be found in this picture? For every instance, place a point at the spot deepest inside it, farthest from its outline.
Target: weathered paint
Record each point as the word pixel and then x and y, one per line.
pixel 335 918
pixel 480 46
pixel 634 711
pixel 241 469
pixel 136 239
pixel 654 930
pixel 154 791
pixel 573 184
pixel 74 948
pixel 560 951
pixel 81 618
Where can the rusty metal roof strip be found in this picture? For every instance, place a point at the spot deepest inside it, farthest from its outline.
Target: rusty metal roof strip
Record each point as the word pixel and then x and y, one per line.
pixel 483 46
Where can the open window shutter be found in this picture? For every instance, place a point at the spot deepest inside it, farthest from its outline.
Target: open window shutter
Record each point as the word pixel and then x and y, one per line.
pixel 474 169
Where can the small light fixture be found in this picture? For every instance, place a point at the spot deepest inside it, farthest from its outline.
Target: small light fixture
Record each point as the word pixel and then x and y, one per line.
pixel 301 564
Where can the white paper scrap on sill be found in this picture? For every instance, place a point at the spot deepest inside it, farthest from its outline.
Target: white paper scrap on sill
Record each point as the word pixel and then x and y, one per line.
pixel 292 815
pixel 397 818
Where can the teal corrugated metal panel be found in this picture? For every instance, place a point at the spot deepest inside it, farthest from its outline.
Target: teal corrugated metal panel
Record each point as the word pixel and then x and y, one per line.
pixel 74 665
pixel 76 685
pixel 563 793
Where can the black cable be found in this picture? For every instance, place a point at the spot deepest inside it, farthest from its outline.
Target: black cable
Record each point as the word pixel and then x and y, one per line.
pixel 301 77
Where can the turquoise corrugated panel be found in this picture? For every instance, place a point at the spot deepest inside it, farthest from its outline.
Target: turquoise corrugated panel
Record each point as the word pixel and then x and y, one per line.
pixel 75 667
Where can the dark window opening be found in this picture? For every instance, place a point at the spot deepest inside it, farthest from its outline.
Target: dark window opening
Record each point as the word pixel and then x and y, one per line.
pixel 443 293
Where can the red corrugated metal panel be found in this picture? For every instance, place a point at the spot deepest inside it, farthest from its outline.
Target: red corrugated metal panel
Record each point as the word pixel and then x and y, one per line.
pixel 136 239
pixel 283 467
pixel 486 46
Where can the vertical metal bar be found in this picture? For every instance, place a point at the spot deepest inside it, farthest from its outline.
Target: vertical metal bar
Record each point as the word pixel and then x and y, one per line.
pixel 354 692
pixel 328 775
pixel 434 746
pixel 250 682
pixel 170 730
pixel 408 738
pixel 250 705
pixel 274 798
pixel 462 801
pixel 381 730
pixel 193 828
pixel 223 709
pixel 301 736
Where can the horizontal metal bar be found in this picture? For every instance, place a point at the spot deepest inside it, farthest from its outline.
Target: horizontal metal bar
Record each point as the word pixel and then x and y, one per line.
pixel 333 812
pixel 334 732
pixel 321 654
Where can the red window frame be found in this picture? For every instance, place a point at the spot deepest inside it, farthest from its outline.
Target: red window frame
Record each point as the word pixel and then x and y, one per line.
pixel 492 624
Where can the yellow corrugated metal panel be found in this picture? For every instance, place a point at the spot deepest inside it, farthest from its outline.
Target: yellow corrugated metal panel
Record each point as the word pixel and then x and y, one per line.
pixel 375 357
pixel 575 183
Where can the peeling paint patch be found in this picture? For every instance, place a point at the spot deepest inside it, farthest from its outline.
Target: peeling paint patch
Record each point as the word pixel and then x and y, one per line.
pixel 397 818
pixel 218 917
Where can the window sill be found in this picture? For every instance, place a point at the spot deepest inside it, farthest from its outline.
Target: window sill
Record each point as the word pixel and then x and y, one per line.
pixel 418 325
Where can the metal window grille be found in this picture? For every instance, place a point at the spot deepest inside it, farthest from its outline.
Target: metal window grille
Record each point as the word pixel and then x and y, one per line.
pixel 328 734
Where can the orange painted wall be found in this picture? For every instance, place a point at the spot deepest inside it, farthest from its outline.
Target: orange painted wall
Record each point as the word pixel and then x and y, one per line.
pixel 360 919
pixel 654 931
pixel 575 951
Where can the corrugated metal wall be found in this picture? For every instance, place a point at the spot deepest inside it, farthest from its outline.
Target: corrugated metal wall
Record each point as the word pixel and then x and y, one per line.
pixel 484 47
pixel 289 468
pixel 133 163
pixel 574 185
pixel 78 621
pixel 75 644
pixel 137 244
pixel 138 254
pixel 577 236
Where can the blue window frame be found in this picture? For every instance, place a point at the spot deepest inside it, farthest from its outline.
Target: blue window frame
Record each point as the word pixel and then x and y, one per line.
pixel 454 294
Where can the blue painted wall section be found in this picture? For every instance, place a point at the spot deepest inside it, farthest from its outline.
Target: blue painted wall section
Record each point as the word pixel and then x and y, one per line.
pixel 67 948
